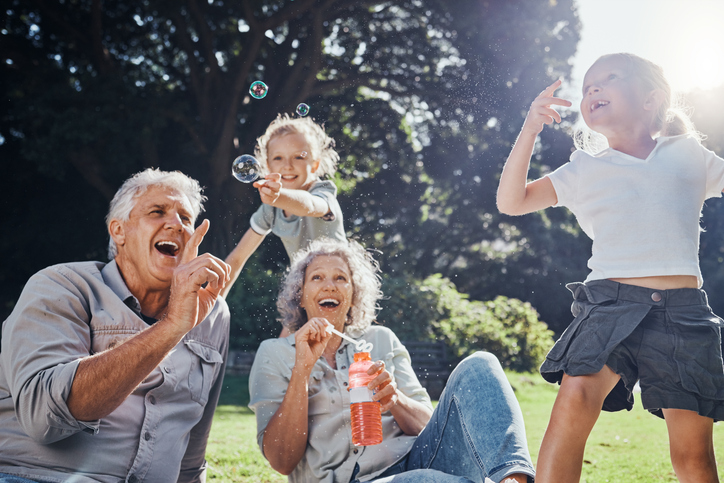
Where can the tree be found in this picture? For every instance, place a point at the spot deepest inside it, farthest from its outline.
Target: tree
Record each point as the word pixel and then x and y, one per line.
pixel 424 98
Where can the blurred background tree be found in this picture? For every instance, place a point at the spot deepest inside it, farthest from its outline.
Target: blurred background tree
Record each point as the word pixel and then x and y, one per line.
pixel 424 99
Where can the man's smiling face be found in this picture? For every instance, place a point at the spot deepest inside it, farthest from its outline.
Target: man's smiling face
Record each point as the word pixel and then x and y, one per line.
pixel 151 241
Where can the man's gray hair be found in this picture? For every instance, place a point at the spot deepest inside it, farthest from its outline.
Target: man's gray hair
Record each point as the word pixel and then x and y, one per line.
pixel 365 281
pixel 125 198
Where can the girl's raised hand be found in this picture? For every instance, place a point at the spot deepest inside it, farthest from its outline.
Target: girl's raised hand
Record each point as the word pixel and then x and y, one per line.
pixel 541 112
pixel 269 188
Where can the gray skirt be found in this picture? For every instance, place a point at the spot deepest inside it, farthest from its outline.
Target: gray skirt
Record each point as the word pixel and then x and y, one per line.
pixel 667 340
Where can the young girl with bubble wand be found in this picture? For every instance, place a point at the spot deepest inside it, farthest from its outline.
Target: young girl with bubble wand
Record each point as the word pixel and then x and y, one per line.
pixel 640 315
pixel 297 204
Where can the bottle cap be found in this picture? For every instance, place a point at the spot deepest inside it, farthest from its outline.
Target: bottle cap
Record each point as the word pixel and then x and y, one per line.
pixel 362 356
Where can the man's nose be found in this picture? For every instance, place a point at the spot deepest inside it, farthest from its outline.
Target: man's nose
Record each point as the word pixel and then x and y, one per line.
pixel 174 221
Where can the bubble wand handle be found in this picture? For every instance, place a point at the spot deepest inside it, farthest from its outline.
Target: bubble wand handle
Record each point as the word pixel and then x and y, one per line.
pixel 361 345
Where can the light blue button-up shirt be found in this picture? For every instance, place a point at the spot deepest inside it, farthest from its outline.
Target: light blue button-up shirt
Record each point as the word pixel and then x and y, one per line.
pixel 330 455
pixel 158 434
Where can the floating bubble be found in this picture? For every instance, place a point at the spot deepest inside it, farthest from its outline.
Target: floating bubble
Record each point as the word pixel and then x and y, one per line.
pixel 246 168
pixel 258 90
pixel 302 109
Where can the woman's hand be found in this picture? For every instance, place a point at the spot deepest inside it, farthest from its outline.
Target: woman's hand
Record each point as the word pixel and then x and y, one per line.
pixel 384 386
pixel 310 341
pixel 541 112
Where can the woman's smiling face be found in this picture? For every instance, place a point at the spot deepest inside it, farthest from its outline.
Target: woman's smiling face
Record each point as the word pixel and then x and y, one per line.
pixel 328 290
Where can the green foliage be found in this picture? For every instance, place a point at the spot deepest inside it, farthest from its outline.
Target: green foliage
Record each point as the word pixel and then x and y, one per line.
pixel 252 302
pixel 434 309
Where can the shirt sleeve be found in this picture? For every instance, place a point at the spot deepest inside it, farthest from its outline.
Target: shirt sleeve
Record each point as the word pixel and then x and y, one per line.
pixel 268 381
pixel 714 173
pixel 327 190
pixel 262 220
pixel 565 181
pixel 43 341
pixel 193 464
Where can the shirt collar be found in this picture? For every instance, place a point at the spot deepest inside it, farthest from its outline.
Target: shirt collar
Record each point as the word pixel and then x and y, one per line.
pixel 112 277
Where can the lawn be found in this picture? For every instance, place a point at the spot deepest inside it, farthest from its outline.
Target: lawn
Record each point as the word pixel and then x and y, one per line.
pixel 623 447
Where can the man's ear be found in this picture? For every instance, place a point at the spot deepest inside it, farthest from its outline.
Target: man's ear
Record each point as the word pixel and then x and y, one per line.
pixel 654 100
pixel 117 233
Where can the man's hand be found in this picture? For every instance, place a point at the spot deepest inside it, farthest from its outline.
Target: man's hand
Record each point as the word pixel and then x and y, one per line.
pixel 197 282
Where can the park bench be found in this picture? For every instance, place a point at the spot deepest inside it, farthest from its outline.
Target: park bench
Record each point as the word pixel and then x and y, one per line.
pixel 239 363
pixel 431 365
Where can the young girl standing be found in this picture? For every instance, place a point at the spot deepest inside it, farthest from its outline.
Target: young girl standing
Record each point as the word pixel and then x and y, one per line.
pixel 640 315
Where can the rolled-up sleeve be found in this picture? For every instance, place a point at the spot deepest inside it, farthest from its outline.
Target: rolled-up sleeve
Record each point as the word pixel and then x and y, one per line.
pixel 262 220
pixel 44 339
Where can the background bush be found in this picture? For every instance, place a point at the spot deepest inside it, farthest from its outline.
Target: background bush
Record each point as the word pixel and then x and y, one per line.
pixel 433 309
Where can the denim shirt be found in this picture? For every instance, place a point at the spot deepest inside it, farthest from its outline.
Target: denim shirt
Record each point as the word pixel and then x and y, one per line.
pixel 330 455
pixel 159 433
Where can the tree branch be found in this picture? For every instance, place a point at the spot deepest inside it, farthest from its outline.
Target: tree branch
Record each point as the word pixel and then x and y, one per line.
pixel 289 12
pixel 188 47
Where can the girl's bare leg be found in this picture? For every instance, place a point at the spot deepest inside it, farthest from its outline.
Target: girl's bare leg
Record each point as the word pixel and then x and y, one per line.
pixel 575 411
pixel 691 446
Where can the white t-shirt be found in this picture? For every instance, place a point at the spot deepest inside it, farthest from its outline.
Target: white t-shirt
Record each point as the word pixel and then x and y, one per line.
pixel 642 214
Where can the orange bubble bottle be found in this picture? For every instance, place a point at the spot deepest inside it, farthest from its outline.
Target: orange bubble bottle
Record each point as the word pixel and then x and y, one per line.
pixel 366 416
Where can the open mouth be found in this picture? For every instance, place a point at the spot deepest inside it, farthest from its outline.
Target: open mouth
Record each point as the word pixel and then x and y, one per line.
pixel 598 104
pixel 328 303
pixel 289 177
pixel 168 248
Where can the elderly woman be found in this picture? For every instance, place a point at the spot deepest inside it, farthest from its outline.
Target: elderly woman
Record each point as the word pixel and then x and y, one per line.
pixel 299 385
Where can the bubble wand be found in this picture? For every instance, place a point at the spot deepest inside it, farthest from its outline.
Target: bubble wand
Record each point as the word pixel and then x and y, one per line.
pixel 360 345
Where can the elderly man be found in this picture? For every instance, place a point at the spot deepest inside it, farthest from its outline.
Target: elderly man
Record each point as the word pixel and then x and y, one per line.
pixel 111 372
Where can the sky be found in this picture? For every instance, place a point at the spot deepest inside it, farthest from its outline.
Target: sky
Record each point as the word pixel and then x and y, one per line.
pixel 685 37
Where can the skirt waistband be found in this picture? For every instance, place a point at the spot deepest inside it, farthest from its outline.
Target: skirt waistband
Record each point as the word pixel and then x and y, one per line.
pixel 601 291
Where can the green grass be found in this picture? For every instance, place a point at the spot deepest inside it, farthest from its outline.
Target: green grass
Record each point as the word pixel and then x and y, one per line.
pixel 624 446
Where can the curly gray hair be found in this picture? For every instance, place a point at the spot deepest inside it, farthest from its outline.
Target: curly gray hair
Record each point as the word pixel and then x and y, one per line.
pixel 125 198
pixel 365 280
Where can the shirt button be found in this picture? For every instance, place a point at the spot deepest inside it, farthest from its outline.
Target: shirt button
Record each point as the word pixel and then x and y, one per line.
pixel 656 297
pixel 132 479
pixel 344 367
pixel 344 383
pixel 166 369
pixel 147 436
pixel 341 351
pixel 355 451
pixel 152 400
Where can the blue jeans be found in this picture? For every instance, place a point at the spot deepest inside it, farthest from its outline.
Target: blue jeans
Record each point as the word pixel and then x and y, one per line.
pixel 476 431
pixel 4 478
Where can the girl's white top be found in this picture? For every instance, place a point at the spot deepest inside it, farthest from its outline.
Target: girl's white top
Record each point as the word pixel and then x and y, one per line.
pixel 642 214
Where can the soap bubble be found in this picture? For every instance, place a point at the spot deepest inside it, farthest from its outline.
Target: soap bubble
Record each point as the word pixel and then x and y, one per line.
pixel 302 109
pixel 246 168
pixel 258 90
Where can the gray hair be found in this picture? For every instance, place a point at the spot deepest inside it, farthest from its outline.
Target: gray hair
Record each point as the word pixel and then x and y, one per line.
pixel 125 198
pixel 365 280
